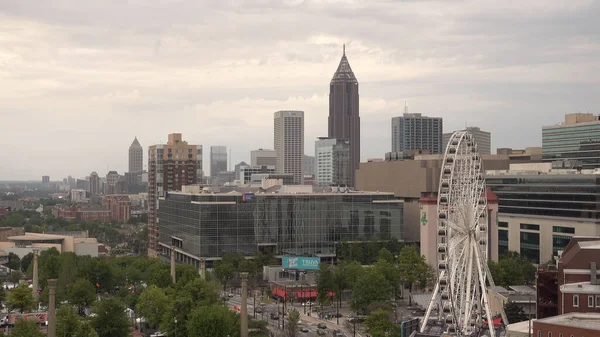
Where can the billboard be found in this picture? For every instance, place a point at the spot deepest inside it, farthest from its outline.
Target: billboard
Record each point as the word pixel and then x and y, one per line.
pixel 301 262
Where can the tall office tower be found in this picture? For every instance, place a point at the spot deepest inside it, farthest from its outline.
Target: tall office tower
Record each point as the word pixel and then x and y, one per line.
pixel 344 118
pixel 263 157
pixel 94 184
pixel 412 132
pixel 289 143
pixel 332 162
pixel 483 139
pixel 575 139
pixel 136 157
pixel 308 165
pixel 112 179
pixel 170 166
pixel 218 160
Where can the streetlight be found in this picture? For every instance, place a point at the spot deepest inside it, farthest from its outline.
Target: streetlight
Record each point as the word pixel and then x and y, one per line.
pixel 175 326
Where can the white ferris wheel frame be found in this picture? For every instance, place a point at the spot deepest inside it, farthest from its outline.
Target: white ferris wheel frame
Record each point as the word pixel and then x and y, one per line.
pixel 462 242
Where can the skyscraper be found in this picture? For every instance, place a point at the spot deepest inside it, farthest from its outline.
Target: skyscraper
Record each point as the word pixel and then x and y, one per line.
pixel 94 184
pixel 136 157
pixel 263 157
pixel 289 143
pixel 483 139
pixel 170 166
pixel 333 165
pixel 218 160
pixel 344 119
pixel 412 132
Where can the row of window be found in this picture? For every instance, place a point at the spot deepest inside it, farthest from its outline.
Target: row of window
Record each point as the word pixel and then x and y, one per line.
pixel 590 301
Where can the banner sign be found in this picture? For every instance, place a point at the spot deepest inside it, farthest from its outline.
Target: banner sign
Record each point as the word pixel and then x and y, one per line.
pixel 300 262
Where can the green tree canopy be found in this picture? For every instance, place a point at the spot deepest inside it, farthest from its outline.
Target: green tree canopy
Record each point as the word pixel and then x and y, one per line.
pixel 20 299
pixel 292 324
pixel 514 312
pixel 379 324
pixel 153 304
pixel 15 276
pixel 82 294
pixel 224 271
pixel 370 288
pixel 26 261
pixel 26 328
pixel 67 321
pixel 110 319
pixel 511 269
pixel 213 321
pixel 413 268
pixel 14 262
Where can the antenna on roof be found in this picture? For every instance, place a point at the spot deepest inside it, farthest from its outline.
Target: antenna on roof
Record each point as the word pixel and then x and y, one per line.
pixel 344 49
pixel 405 107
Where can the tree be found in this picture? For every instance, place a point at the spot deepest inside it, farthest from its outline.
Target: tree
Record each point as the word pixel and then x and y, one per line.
pixel 224 271
pixel 413 268
pixel 325 282
pixel 511 269
pixel 213 321
pixel 20 299
pixel 514 313
pixel 26 261
pixel 110 319
pixel 378 324
pixel 15 276
pixel 390 271
pixel 67 321
pixel 386 255
pixel 14 262
pixel 86 330
pixel 291 326
pixel 345 275
pixel 82 294
pixel 370 288
pixel 152 304
pixel 26 328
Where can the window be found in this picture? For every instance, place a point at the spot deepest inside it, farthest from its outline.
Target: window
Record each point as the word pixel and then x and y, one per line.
pixel 560 335
pixel 575 300
pixel 597 301
pixel 530 227
pixel 549 334
pixel 539 333
pixel 502 224
pixel 590 301
pixel 559 229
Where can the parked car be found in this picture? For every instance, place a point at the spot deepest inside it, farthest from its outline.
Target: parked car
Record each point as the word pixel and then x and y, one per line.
pixel 304 329
pixel 321 332
pixel 321 326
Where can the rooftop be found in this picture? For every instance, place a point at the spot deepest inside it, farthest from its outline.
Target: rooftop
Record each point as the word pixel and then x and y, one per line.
pixel 588 321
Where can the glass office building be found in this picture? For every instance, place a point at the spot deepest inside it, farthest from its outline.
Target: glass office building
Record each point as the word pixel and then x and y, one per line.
pixel 210 225
pixel 578 138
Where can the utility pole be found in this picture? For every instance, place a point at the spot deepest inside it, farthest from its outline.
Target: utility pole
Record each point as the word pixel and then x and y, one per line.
pixel 244 311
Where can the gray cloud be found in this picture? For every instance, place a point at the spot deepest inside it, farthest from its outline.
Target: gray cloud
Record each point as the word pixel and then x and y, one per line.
pixel 79 79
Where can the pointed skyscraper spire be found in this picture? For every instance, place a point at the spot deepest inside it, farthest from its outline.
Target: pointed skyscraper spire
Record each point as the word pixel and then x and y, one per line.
pixel 344 50
pixel 344 72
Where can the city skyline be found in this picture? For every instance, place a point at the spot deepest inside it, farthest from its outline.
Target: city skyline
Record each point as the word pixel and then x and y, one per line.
pixel 506 68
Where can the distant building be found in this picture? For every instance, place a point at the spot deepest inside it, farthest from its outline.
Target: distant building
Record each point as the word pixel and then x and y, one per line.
pixel 136 157
pixel 483 139
pixel 119 207
pixel 226 176
pixel 94 184
pixel 112 180
pixel 78 196
pixel 83 184
pixel 308 164
pixel 577 138
pixel 263 157
pixel 332 158
pixel 246 172
pixel 218 160
pixel 170 166
pixel 46 182
pixel 416 132
pixel 24 244
pixel 289 143
pixel 238 169
pixel 81 213
pixel 344 107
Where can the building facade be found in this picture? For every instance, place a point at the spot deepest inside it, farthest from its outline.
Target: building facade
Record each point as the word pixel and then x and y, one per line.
pixel 119 207
pixel 308 164
pixel 170 166
pixel 578 137
pixel 212 224
pixel 81 213
pixel 94 184
pixel 78 196
pixel 541 208
pixel 238 168
pixel 289 143
pixel 332 157
pixel 569 325
pixel 483 139
pixel 112 181
pixel 246 172
pixel 218 160
pixel 136 157
pixel 263 157
pixel 344 117
pixel 412 131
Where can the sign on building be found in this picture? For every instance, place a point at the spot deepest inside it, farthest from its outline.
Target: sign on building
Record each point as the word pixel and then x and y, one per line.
pixel 301 262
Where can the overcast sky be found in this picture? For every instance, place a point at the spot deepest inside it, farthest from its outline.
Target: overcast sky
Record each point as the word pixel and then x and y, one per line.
pixel 79 79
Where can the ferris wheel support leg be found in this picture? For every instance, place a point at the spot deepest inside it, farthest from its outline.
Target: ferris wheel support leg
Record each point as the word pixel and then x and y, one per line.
pixel 486 303
pixel 493 286
pixel 435 292
pixel 467 312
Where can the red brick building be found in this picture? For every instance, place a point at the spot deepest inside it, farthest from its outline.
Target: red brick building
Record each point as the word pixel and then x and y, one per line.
pixel 569 325
pixel 91 213
pixel 119 207
pixel 574 285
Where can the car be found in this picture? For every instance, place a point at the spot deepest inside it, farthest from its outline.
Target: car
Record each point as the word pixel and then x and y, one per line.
pixel 321 326
pixel 304 329
pixel 230 294
pixel 321 332
pixel 339 333
pixel 274 315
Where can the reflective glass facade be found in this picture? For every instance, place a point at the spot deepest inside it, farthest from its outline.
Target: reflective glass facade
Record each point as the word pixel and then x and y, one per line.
pixel 555 195
pixel 573 141
pixel 210 225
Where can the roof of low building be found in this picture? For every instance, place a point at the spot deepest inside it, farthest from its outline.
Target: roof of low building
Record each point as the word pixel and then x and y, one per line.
pixel 587 321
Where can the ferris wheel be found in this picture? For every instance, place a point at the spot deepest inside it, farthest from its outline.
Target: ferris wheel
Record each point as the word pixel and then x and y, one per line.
pixel 460 294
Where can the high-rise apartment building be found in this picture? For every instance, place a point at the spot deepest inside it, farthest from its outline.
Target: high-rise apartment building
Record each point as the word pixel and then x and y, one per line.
pixel 218 160
pixel 332 162
pixel 136 157
pixel 412 131
pixel 289 143
pixel 483 139
pixel 170 166
pixel 344 118
pixel 94 184
pixel 263 157
pixel 578 138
